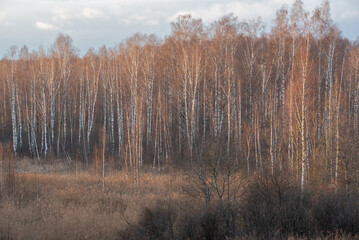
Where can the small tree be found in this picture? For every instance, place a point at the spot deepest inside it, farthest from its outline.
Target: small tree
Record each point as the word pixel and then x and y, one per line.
pixel 216 174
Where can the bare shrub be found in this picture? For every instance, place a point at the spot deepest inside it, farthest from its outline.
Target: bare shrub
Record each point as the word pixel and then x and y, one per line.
pixel 336 212
pixel 274 206
pixel 205 221
pixel 214 221
pixel 155 223
pixel 216 175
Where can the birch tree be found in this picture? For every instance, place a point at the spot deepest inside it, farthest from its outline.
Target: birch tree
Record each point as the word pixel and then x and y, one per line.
pixel 189 34
pixel 13 91
pixel 305 68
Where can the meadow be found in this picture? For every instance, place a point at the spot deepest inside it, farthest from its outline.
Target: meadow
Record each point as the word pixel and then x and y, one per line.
pixel 55 200
pixel 39 202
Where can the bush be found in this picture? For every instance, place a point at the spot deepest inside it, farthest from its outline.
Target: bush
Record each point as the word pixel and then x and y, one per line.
pixel 155 223
pixel 336 212
pixel 274 206
pixel 215 221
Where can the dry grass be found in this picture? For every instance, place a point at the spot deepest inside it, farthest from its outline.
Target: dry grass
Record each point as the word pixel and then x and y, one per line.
pixel 72 204
pixel 58 200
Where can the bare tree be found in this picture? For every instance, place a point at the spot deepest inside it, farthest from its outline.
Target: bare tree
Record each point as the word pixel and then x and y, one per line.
pixel 12 84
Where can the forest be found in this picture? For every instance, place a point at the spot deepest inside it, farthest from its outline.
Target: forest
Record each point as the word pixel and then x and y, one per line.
pixel 231 105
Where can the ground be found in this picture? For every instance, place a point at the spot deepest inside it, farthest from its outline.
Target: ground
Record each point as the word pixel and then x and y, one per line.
pixel 52 201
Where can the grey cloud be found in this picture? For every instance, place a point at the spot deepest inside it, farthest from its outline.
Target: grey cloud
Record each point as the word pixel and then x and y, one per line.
pixel 94 23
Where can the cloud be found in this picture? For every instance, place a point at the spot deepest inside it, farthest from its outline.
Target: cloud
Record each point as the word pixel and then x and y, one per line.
pixel 349 14
pixel 45 26
pixel 61 14
pixel 153 22
pixel 84 19
pixel 2 16
pixel 244 10
pixel 133 19
pixel 91 13
pixel 70 13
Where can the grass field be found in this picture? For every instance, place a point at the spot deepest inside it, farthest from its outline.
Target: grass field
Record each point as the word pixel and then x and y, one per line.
pixel 52 202
pixel 55 200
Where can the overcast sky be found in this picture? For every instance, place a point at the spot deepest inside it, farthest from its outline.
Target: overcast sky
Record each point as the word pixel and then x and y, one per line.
pixel 93 23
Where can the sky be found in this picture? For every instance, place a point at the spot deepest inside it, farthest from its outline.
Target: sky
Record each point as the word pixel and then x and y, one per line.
pixel 94 23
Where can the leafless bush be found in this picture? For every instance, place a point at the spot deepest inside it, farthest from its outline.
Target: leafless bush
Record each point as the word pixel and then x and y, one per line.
pixel 205 221
pixel 274 206
pixel 337 212
pixel 215 175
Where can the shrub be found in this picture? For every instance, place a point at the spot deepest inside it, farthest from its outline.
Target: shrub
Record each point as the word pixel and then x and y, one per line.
pixel 336 212
pixel 154 223
pixel 273 206
pixel 215 221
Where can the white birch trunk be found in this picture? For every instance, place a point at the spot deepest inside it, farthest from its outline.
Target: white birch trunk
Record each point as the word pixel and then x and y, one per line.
pixel 13 105
pixel 303 113
pixel 19 119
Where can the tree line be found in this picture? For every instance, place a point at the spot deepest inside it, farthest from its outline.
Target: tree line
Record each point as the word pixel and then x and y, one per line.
pixel 228 92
